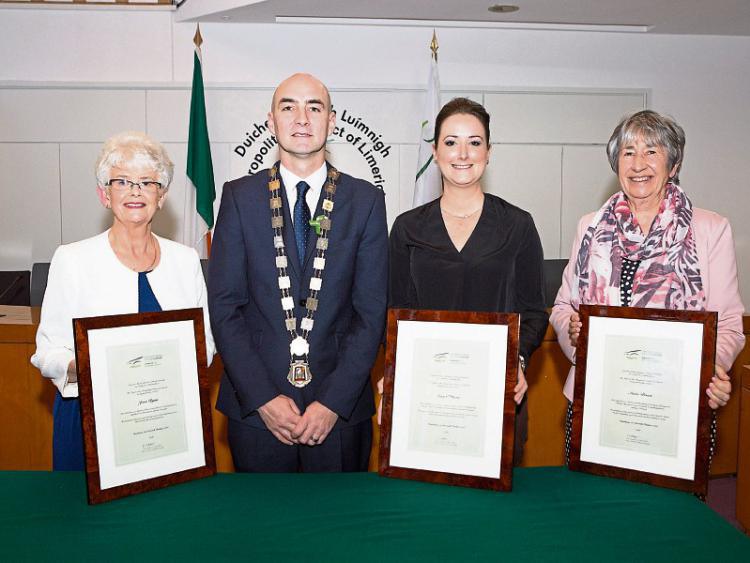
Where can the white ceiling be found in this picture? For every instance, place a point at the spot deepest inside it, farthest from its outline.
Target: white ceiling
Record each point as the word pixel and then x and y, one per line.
pixel 692 17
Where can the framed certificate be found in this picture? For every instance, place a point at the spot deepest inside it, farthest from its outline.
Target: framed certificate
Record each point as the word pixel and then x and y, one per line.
pixel 144 401
pixel 448 409
pixel 640 411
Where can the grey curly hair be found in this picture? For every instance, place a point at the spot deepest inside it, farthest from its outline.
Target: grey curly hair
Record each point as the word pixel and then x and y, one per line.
pixel 656 130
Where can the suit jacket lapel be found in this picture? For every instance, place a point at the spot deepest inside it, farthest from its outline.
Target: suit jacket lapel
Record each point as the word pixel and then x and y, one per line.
pixel 313 237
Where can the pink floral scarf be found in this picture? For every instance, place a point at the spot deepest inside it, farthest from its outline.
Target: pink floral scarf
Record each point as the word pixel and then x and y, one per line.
pixel 668 276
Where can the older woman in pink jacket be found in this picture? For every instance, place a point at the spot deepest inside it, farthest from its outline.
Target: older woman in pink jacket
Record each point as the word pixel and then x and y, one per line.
pixel 649 247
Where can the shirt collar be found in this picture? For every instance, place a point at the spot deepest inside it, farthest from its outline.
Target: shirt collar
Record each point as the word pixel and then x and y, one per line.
pixel 314 180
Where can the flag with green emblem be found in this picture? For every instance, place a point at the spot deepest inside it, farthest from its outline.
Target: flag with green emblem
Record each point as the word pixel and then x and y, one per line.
pixel 429 184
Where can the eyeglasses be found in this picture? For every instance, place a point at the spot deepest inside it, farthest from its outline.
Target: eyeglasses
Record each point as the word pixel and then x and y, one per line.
pixel 123 184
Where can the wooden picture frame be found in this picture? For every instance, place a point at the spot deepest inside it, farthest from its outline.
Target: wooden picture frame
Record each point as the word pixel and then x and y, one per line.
pixel 471 451
pixel 640 411
pixel 145 410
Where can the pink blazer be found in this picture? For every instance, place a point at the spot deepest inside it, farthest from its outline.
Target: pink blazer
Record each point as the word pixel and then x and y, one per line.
pixel 718 266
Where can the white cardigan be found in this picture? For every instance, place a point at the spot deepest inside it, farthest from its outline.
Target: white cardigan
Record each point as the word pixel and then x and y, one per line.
pixel 86 279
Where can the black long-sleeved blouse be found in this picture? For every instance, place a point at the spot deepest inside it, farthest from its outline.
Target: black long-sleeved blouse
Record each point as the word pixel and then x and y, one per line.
pixel 499 269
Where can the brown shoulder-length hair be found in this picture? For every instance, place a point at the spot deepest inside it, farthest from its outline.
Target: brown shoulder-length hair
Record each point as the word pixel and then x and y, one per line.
pixel 464 106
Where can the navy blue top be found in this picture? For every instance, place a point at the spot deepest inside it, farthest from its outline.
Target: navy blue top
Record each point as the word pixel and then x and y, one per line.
pixel 147 302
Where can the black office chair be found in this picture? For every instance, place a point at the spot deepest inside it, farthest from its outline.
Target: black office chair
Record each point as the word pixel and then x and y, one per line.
pixel 553 270
pixel 14 288
pixel 204 267
pixel 39 273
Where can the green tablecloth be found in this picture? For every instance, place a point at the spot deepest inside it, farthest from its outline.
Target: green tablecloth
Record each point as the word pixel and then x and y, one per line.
pixel 551 515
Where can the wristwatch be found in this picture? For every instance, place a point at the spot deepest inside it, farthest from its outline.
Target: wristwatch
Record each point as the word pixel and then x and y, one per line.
pixel 522 361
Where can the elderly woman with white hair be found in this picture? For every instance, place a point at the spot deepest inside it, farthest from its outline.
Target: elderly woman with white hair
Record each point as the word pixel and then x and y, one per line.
pixel 647 246
pixel 126 269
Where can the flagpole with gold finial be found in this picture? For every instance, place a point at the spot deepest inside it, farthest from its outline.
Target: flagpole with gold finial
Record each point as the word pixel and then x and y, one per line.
pixel 201 191
pixel 198 39
pixel 428 183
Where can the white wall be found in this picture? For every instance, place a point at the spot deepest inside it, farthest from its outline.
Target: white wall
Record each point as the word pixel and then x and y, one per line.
pixel 70 78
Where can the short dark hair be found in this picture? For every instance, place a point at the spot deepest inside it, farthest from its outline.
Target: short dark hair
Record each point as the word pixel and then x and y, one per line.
pixel 463 106
pixel 656 130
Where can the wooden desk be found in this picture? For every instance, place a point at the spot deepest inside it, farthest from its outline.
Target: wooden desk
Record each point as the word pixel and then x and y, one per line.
pixel 743 458
pixel 725 460
pixel 26 413
pixel 26 416
pixel 547 405
pixel 547 408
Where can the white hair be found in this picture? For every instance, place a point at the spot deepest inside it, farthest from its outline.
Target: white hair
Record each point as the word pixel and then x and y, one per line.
pixel 133 148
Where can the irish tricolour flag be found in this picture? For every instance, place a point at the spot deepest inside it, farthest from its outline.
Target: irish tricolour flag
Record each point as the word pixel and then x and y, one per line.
pixel 201 192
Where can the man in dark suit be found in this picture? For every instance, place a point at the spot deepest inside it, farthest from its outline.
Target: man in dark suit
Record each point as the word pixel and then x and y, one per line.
pixel 298 306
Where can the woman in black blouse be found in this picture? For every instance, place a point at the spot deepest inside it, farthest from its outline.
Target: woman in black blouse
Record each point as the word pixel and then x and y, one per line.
pixel 468 250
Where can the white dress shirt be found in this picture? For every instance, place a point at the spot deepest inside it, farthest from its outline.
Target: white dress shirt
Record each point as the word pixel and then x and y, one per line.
pixel 314 180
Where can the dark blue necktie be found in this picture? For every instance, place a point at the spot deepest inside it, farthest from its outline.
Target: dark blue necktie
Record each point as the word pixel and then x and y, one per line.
pixel 301 221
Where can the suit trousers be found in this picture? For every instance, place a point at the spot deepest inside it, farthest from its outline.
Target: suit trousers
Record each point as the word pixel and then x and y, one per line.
pixel 256 450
